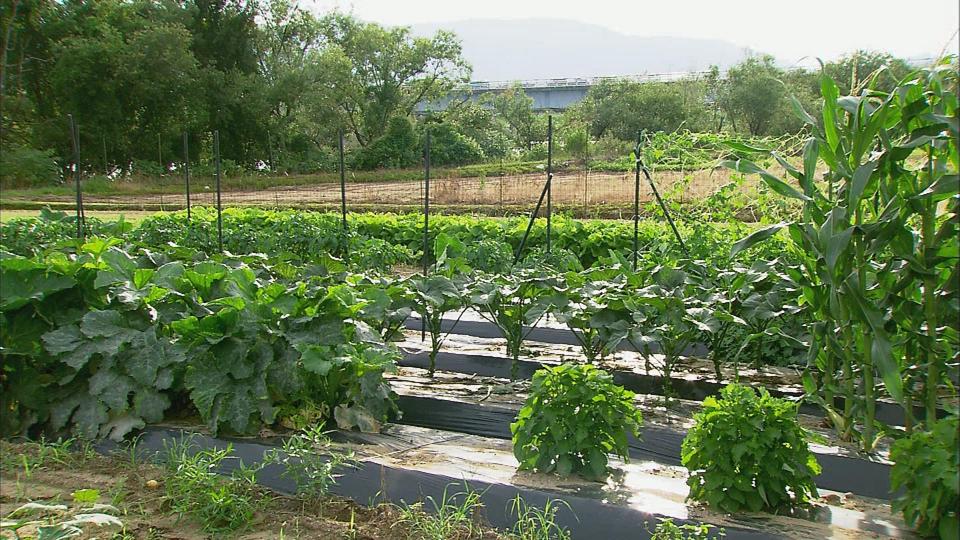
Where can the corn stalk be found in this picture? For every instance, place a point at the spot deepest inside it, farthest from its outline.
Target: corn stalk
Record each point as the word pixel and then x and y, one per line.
pixel 879 244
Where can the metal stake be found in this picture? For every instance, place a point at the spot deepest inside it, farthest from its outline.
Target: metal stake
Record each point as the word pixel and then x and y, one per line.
pixel 343 186
pixel 533 216
pixel 216 158
pixel 160 161
pixel 663 206
pixel 75 143
pixel 186 169
pixel 636 202
pixel 426 221
pixel 549 176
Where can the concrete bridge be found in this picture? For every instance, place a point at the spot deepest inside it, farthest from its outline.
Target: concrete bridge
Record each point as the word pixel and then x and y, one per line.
pixel 548 94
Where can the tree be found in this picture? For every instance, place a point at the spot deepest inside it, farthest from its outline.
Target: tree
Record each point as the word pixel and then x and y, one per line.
pixel 754 94
pixel 399 146
pixel 299 78
pixel 622 108
pixel 478 123
pixel 516 109
pixel 855 70
pixel 448 146
pixel 390 71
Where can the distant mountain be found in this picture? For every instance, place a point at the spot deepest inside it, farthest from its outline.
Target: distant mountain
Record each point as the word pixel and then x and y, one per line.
pixel 556 48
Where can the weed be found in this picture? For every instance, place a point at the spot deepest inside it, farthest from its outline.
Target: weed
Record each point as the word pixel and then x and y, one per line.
pixel 668 530
pixel 454 516
pixel 220 504
pixel 534 523
pixel 309 460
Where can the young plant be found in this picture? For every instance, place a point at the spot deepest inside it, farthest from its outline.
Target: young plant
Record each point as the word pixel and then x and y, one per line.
pixel 310 461
pixel 455 515
pixel 925 467
pixel 535 523
pixel 220 504
pixel 575 416
pixel 436 296
pixel 592 307
pixel 388 305
pixel 670 316
pixel 748 452
pixel 754 307
pixel 668 530
pixel 512 301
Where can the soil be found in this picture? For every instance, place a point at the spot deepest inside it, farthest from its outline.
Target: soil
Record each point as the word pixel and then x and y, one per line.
pixel 569 189
pixel 136 493
pixel 675 413
pixel 679 413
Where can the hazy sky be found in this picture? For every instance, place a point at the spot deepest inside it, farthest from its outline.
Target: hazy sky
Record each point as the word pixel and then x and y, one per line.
pixel 788 30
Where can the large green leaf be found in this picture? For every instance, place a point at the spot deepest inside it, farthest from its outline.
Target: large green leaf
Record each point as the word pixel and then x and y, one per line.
pixel 859 183
pixel 775 183
pixel 756 237
pixel 943 188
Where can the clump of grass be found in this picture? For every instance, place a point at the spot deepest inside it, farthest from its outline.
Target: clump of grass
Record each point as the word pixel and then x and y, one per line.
pixel 534 523
pixel 454 516
pixel 309 460
pixel 221 504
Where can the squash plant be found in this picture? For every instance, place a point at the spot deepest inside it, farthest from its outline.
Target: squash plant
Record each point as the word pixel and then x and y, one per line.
pixel 548 438
pixel 512 301
pixel 591 304
pixel 669 317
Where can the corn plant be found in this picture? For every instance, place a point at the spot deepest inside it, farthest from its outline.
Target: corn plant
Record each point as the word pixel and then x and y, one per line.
pixel 878 239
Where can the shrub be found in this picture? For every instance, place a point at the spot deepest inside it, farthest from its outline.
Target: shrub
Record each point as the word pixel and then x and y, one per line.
pixel 25 166
pixel 925 467
pixel 375 253
pixel 575 416
pixel 747 451
pixel 450 147
pixel 398 147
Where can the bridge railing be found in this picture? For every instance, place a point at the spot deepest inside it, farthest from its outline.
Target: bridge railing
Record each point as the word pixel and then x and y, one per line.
pixel 584 81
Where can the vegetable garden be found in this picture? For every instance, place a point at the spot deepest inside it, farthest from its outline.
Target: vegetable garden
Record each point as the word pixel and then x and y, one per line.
pixel 844 321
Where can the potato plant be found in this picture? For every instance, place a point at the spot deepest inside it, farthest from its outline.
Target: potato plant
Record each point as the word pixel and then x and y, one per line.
pixel 669 317
pixel 591 304
pixel 548 438
pixel 436 295
pixel 926 468
pixel 747 451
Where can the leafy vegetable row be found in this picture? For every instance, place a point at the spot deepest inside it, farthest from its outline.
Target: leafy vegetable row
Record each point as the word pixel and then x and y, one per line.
pixel 383 240
pixel 102 341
